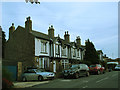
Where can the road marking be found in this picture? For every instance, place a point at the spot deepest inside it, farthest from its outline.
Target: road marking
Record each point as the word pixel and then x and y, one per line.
pixel 85 86
pixel 113 75
pixel 85 81
pixel 101 80
pixel 66 80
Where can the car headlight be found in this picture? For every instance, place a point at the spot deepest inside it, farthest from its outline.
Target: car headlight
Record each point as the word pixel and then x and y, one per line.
pixel 71 71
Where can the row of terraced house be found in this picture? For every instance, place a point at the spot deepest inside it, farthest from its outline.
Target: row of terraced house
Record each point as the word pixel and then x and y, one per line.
pixel 41 50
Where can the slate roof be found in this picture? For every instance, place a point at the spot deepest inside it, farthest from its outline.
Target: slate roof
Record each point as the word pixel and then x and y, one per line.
pixel 46 37
pixel 99 51
pixel 40 35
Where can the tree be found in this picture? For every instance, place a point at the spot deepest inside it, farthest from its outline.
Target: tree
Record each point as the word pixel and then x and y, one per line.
pixel 3 43
pixel 91 56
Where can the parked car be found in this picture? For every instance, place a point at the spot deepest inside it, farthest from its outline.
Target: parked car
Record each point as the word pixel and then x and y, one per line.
pixel 96 68
pixel 117 68
pixel 37 74
pixel 76 70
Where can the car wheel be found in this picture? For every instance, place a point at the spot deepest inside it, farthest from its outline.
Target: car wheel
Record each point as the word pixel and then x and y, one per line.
pixel 24 79
pixel 103 72
pixel 87 74
pixel 40 78
pixel 65 77
pixel 76 75
pixel 98 72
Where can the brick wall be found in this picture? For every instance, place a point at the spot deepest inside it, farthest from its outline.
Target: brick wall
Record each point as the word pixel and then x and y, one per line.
pixel 20 47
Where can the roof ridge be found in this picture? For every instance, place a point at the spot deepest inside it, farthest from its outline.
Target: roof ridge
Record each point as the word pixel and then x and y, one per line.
pixel 39 32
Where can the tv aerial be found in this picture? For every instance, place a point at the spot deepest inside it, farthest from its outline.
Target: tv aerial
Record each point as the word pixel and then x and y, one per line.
pixel 32 1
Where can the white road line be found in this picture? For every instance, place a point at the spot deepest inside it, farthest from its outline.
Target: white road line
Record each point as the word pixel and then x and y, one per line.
pixel 101 80
pixel 85 86
pixel 114 75
pixel 85 81
pixel 66 80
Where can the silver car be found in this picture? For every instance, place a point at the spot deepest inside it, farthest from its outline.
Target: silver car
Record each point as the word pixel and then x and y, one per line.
pixel 117 67
pixel 37 74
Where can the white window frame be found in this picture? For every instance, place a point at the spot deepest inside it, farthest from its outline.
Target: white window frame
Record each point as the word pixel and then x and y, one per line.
pixel 43 47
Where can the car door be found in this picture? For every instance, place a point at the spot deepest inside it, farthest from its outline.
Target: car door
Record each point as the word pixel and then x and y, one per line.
pixel 82 71
pixel 31 75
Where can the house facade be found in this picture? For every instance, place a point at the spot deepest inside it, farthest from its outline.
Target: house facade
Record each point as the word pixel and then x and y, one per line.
pixel 41 50
pixel 100 54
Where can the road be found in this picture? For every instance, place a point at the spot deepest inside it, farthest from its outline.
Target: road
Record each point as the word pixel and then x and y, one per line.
pixel 107 80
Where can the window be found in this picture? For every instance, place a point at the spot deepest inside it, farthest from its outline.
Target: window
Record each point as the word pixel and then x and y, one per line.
pixel 78 54
pixel 40 62
pixel 74 52
pixel 57 48
pixel 65 64
pixel 44 47
pixel 63 51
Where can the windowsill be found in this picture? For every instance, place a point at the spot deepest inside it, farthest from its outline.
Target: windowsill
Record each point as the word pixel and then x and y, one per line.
pixel 64 55
pixel 57 54
pixel 44 52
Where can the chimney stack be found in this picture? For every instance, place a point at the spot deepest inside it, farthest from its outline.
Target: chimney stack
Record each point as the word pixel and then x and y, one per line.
pixel 78 41
pixel 11 30
pixel 67 37
pixel 51 31
pixel 28 24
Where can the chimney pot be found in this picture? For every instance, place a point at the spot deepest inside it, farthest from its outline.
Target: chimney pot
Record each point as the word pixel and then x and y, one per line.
pixel 51 26
pixel 12 24
pixel 29 18
pixel 67 32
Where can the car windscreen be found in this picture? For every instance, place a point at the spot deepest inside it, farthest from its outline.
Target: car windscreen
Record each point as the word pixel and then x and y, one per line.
pixel 73 66
pixel 92 65
pixel 40 70
pixel 118 66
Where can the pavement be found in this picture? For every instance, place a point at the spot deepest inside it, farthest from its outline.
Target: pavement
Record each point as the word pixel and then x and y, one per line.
pixel 28 84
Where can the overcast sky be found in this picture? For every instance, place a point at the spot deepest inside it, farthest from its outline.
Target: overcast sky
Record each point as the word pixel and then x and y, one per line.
pixel 97 21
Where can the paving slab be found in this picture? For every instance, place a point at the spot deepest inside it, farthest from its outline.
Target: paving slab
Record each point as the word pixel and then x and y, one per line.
pixel 28 84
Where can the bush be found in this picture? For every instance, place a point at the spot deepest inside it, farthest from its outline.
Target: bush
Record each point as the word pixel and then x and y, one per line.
pixel 6 79
pixel 6 83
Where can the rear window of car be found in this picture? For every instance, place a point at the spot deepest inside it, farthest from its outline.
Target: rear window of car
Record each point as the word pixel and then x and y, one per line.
pixel 73 66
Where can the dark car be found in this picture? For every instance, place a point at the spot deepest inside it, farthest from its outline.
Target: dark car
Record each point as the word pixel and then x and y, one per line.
pixel 76 70
pixel 96 68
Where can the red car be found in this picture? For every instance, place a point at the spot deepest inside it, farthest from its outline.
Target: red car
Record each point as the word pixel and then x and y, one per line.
pixel 96 68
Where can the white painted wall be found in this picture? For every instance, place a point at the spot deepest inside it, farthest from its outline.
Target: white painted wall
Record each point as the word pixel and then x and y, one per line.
pixel 54 50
